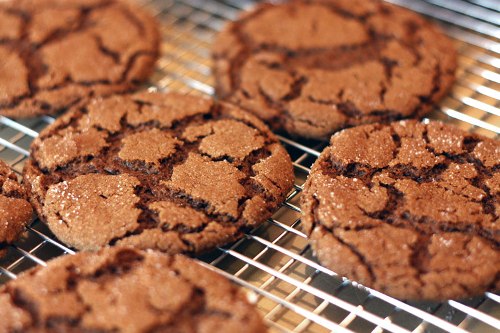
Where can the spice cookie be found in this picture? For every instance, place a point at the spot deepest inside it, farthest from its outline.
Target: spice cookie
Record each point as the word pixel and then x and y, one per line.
pixel 15 210
pixel 125 290
pixel 163 171
pixel 409 209
pixel 314 67
pixel 56 53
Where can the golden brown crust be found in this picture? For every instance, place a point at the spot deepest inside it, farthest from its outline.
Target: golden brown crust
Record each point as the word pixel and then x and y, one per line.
pixel 60 53
pixel 127 291
pixel 332 64
pixel 410 209
pixel 165 171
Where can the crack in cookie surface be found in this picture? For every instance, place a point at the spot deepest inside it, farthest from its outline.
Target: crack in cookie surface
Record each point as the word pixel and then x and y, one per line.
pixel 56 54
pixel 125 290
pixel 126 170
pixel 410 209
pixel 332 64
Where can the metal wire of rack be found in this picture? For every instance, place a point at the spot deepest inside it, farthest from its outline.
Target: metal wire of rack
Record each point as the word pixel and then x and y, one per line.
pixel 274 262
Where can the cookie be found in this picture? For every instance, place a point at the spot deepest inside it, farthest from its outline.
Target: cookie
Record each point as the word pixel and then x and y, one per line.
pixel 125 290
pixel 15 210
pixel 311 68
pixel 56 53
pixel 164 171
pixel 409 209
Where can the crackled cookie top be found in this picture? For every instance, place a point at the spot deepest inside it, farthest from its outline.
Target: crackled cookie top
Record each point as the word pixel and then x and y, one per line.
pixel 410 209
pixel 15 210
pixel 314 67
pixel 56 53
pixel 163 171
pixel 127 291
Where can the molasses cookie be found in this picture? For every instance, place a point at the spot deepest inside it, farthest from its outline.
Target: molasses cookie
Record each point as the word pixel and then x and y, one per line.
pixel 314 67
pixel 15 210
pixel 56 53
pixel 164 171
pixel 409 209
pixel 125 290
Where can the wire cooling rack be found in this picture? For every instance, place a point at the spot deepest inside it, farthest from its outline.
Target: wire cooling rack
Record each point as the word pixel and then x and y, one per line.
pixel 274 262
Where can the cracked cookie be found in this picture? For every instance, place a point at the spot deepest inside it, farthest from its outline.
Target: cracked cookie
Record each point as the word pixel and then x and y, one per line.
pixel 15 210
pixel 332 64
pixel 164 171
pixel 409 209
pixel 125 290
pixel 57 53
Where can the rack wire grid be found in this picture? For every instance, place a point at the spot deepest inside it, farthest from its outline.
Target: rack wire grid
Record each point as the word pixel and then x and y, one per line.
pixel 274 262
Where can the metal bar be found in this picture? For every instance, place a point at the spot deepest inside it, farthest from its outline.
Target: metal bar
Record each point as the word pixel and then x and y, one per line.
pixel 8 273
pixel 261 253
pixel 30 256
pixel 48 119
pixel 293 255
pixel 321 294
pixel 481 89
pixel 325 270
pixel 299 146
pixel 478 104
pixel 473 39
pixel 14 139
pixel 13 147
pixel 291 295
pixel 291 206
pixel 470 120
pixel 15 125
pixel 481 57
pixel 195 84
pixel 485 73
pixel 288 228
pixel 493 297
pixel 450 17
pixel 469 10
pixel 306 322
pixel 485 318
pixel 301 311
pixel 50 240
pixel 491 4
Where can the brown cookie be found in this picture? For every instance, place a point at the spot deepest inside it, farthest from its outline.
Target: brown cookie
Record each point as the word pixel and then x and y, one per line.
pixel 15 210
pixel 56 53
pixel 410 209
pixel 164 171
pixel 125 290
pixel 314 67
